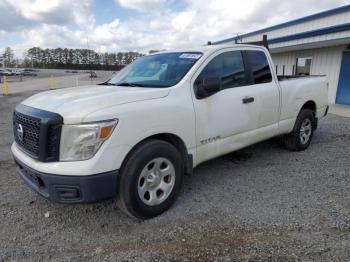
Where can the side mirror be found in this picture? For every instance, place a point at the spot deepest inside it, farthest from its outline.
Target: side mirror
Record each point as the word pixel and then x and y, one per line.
pixel 207 87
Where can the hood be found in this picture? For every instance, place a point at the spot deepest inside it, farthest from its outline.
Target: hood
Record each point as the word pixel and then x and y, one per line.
pixel 77 102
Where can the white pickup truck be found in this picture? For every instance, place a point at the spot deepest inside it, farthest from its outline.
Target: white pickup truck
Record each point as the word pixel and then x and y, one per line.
pixel 136 135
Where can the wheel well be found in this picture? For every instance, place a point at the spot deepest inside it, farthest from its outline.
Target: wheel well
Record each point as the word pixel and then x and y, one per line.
pixel 178 144
pixel 310 105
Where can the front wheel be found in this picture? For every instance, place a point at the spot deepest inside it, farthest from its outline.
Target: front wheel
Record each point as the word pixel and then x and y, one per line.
pixel 300 138
pixel 150 179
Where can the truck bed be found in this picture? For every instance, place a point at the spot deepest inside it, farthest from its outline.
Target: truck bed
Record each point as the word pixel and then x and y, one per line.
pixel 297 90
pixel 291 77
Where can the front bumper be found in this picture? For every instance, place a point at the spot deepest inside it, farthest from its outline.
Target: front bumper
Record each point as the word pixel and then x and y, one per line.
pixel 70 189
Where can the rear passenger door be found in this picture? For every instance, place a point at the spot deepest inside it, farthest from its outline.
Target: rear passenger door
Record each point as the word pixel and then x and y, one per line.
pixel 266 90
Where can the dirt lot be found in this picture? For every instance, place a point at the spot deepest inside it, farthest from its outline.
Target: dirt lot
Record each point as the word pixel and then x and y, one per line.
pixel 262 203
pixel 59 79
pixel 47 73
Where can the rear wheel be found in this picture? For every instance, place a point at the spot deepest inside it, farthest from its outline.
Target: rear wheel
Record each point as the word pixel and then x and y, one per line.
pixel 150 179
pixel 300 138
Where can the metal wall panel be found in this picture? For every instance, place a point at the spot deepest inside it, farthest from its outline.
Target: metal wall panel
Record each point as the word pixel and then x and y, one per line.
pixel 328 21
pixel 340 35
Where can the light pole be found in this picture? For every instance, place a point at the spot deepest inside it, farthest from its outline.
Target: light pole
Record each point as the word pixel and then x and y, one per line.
pixel 2 61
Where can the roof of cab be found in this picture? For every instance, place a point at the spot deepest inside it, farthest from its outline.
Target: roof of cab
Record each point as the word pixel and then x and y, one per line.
pixel 207 48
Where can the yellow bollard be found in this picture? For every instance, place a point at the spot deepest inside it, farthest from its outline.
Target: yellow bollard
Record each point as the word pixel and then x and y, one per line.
pixel 6 86
pixel 52 83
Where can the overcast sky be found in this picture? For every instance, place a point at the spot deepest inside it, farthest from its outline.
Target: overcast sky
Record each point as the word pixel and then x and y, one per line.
pixel 140 25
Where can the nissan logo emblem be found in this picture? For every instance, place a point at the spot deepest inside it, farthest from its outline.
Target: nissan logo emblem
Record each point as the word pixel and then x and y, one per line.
pixel 20 132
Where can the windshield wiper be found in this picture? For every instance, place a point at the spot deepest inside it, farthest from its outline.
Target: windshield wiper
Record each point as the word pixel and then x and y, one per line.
pixel 129 84
pixel 107 84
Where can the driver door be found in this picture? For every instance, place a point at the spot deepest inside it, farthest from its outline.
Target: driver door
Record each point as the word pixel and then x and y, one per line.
pixel 223 119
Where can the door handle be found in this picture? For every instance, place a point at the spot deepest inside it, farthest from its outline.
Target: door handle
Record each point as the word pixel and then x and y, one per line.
pixel 248 100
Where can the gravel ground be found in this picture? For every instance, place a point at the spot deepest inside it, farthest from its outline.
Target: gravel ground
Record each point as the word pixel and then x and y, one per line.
pixel 262 203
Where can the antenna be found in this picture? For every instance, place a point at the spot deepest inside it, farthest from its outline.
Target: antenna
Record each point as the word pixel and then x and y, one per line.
pixel 89 56
pixel 238 37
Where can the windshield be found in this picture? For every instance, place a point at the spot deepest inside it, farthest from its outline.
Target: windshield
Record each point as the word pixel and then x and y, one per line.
pixel 160 70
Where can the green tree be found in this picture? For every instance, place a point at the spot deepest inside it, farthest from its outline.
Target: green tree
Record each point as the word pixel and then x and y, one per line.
pixel 75 58
pixel 34 56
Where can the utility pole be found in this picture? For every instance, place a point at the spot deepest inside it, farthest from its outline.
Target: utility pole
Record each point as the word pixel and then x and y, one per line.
pixel 89 56
pixel 2 62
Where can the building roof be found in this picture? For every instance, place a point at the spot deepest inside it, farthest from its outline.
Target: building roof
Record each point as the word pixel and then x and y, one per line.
pixel 323 14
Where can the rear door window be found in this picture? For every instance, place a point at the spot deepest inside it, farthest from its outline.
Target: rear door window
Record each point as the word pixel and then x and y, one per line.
pixel 260 67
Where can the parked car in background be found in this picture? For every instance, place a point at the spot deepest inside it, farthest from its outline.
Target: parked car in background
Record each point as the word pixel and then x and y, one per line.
pixel 136 135
pixel 6 72
pixel 26 72
pixel 92 74
pixel 17 72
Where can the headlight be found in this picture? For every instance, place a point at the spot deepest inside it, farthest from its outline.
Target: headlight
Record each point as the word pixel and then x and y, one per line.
pixel 81 142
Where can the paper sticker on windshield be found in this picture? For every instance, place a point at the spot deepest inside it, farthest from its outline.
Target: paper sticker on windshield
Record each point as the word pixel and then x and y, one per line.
pixel 190 56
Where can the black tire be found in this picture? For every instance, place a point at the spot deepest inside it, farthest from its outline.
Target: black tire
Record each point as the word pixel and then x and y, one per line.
pixel 293 140
pixel 128 198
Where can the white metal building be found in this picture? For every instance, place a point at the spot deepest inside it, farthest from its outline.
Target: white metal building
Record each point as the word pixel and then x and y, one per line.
pixel 318 44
